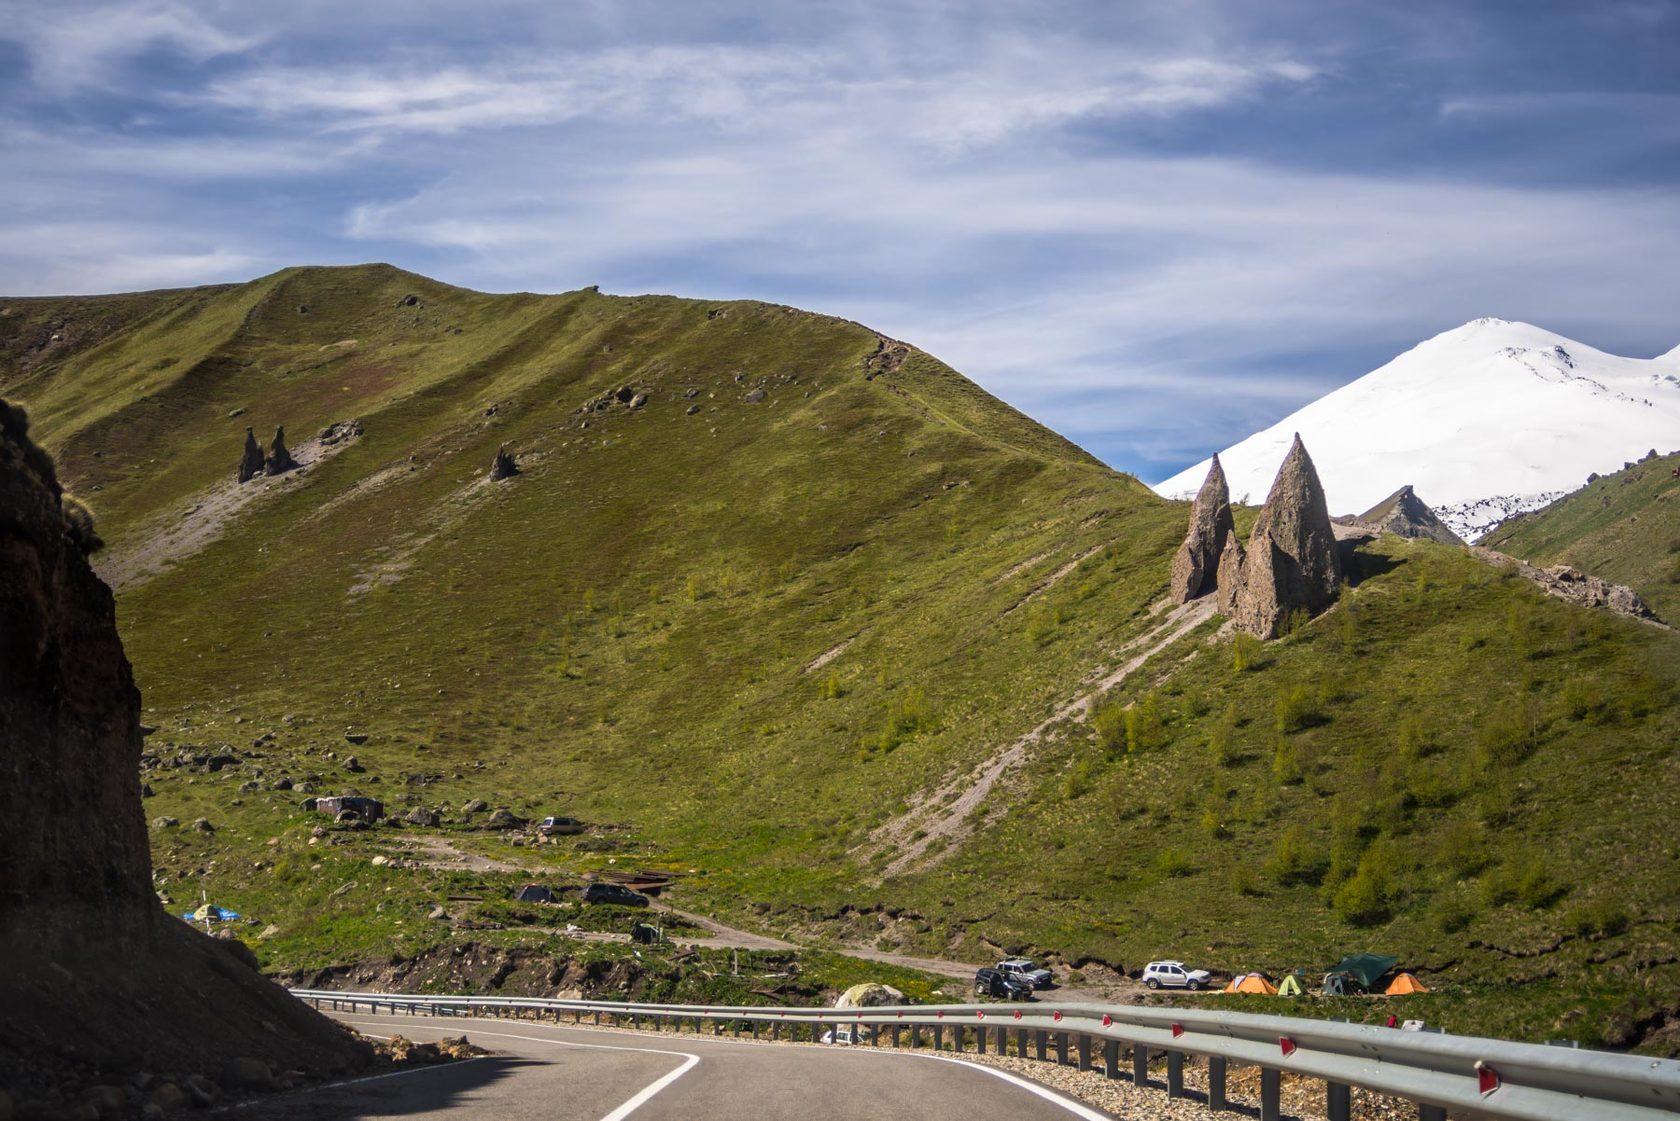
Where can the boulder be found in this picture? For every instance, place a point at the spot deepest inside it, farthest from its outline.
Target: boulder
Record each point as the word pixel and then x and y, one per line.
pixel 245 1073
pixel 503 466
pixel 420 815
pixel 251 465
pixel 1196 566
pixel 504 819
pixel 279 459
pixel 475 806
pixel 1290 562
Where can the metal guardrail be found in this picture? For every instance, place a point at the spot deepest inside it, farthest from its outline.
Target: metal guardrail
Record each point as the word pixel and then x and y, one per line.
pixel 1470 1076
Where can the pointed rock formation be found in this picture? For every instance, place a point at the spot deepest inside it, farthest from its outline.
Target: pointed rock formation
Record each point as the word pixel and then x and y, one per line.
pixel 503 466
pixel 252 464
pixel 1404 514
pixel 1229 578
pixel 1195 568
pixel 279 459
pixel 1291 562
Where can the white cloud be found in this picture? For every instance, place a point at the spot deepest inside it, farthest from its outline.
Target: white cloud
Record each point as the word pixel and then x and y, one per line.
pixel 73 44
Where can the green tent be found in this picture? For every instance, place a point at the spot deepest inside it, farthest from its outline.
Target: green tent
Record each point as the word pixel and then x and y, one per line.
pixel 1364 969
pixel 1291 986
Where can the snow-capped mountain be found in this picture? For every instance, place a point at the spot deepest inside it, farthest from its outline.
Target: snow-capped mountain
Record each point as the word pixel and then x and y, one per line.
pixel 1484 421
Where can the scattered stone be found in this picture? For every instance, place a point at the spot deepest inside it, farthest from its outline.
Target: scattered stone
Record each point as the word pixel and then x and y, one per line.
pixel 755 396
pixel 354 765
pixel 1195 569
pixel 165 822
pixel 1290 562
pixel 504 819
pixel 203 825
pixel 419 815
pixel 201 1090
pixel 250 787
pixel 477 805
pixel 283 784
pixel 339 432
pixel 504 466
pixel 279 459
pixel 105 1100
pixel 357 738
pixel 1573 585
pixel 167 1097
pixel 437 913
pixel 239 412
pixel 251 464
pixel 379 861
pixel 410 300
pixel 245 1073
pixel 691 391
pixel 691 410
pixel 638 401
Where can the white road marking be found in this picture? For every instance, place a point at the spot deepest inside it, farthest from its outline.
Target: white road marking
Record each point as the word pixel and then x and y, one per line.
pixel 639 1099
pixel 1078 1109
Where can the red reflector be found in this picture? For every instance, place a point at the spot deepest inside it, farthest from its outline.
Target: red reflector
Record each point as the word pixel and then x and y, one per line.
pixel 1178 1030
pixel 1393 1022
pixel 981 1014
pixel 1057 1015
pixel 1487 1079
pixel 1017 1013
pixel 901 1015
pixel 860 1015
pixel 1287 1044
pixel 1107 1019
pixel 940 1014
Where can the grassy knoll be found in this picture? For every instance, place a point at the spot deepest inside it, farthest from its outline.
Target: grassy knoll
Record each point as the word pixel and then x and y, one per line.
pixel 745 622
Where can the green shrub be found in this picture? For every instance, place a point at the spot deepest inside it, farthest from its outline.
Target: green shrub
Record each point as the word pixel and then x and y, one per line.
pixel 1286 763
pixel 1174 864
pixel 831 688
pixel 1510 735
pixel 1079 779
pixel 1460 850
pixel 1583 700
pixel 1599 918
pixel 1245 652
pixel 1294 861
pixel 1109 722
pixel 1538 889
pixel 1453 914
pixel 1296 708
pixel 1368 896
pixel 1144 730
pixel 907 715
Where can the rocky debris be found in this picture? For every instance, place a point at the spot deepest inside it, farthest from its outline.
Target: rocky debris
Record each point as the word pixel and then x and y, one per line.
pixel 437 913
pixel 357 738
pixel 245 1073
pixel 354 765
pixel 401 1050
pixel 475 806
pixel 755 396
pixel 1404 514
pixel 165 822
pixel 504 819
pixel 279 460
pixel 1290 561
pixel 630 396
pixel 1195 568
pixel 202 825
pixel 1573 585
pixel 419 815
pixel 339 432
pixel 887 357
pixel 410 300
pixel 251 465
pixel 692 409
pixel 503 466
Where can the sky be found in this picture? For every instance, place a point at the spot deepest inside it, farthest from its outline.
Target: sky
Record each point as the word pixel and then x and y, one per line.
pixel 1154 226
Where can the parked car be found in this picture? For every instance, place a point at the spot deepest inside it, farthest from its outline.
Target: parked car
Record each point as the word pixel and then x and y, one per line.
pixel 992 982
pixel 1024 970
pixel 613 893
pixel 552 826
pixel 1173 975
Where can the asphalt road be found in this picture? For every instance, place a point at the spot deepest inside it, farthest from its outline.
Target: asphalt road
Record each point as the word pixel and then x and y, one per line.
pixel 578 1074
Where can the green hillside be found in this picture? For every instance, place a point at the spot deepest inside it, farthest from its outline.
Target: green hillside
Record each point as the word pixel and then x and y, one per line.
pixel 808 619
pixel 1624 527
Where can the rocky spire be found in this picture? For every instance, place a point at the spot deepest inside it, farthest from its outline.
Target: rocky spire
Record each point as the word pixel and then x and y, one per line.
pixel 1405 514
pixel 1290 562
pixel 1196 566
pixel 252 464
pixel 279 459
pixel 503 466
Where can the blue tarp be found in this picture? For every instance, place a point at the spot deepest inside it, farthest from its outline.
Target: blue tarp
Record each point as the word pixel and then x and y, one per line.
pixel 212 912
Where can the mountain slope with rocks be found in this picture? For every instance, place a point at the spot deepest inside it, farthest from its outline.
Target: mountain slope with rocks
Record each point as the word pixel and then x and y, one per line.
pixel 764 584
pixel 1489 420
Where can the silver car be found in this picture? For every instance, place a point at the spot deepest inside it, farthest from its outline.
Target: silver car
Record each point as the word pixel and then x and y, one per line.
pixel 1025 971
pixel 1173 975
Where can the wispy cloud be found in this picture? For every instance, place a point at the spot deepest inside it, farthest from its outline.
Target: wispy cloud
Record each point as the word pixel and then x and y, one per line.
pixel 72 45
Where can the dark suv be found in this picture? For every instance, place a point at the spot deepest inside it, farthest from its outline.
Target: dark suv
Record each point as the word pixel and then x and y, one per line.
pixel 613 893
pixel 993 982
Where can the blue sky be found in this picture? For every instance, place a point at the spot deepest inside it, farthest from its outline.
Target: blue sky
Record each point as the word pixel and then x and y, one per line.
pixel 1156 227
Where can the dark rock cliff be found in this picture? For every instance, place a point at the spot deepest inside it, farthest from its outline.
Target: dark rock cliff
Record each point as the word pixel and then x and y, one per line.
pixel 95 980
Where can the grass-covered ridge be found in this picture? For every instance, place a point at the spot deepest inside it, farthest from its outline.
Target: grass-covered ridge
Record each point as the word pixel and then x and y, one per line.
pixel 814 580
pixel 1624 527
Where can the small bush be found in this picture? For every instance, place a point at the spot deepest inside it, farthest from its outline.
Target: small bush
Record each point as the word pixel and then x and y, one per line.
pixel 1368 896
pixel 1174 864
pixel 1079 779
pixel 1509 736
pixel 1109 722
pixel 1144 730
pixel 1245 652
pixel 1296 708
pixel 831 688
pixel 1538 888
pixel 1453 914
pixel 1286 763
pixel 907 715
pixel 1244 881
pixel 1599 918
pixel 1294 860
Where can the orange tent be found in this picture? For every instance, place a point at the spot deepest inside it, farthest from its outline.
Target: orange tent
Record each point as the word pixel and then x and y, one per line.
pixel 1403 984
pixel 1251 983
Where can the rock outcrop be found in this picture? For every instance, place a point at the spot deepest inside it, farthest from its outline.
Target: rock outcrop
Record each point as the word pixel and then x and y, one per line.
pixel 1573 585
pixel 98 982
pixel 1404 514
pixel 1228 581
pixel 503 466
pixel 1290 563
pixel 279 459
pixel 1196 566
pixel 251 464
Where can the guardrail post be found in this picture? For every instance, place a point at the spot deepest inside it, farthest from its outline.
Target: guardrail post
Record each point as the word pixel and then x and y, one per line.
pixel 1175 1074
pixel 1427 1112
pixel 939 1037
pixel 957 1038
pixel 1271 1094
pixel 1041 1044
pixel 755 1027
pixel 1002 1040
pixel 915 1036
pixel 1084 1052
pixel 597 1017
pixel 735 1029
pixel 1216 1084
pixel 896 1029
pixel 1061 1048
pixel 1111 1058
pixel 979 1041
pixel 775 1030
pixel 1338 1103
pixel 1140 1065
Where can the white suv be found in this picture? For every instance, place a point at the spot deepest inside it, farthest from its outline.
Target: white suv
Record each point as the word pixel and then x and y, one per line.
pixel 1173 975
pixel 1025 971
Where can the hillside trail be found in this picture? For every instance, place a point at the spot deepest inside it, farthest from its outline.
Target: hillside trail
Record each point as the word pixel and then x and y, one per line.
pixel 945 812
pixel 168 538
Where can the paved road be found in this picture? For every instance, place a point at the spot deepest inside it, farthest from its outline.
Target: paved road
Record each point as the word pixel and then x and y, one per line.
pixel 578 1074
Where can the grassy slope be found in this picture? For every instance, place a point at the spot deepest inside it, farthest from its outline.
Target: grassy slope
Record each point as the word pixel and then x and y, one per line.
pixel 622 631
pixel 1624 527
